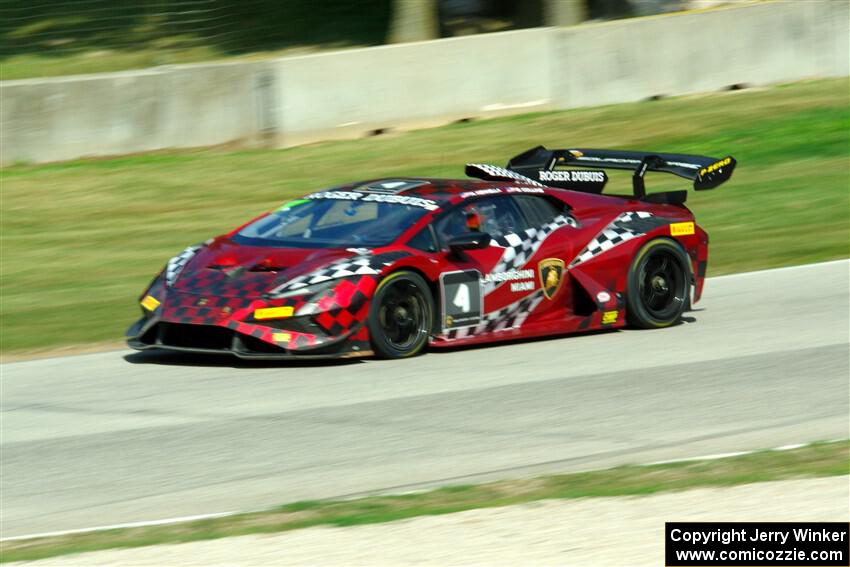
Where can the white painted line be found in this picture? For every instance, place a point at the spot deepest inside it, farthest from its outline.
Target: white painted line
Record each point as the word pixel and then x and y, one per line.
pixel 739 453
pixel 700 458
pixel 785 269
pixel 529 104
pixel 166 521
pixel 789 447
pixel 182 519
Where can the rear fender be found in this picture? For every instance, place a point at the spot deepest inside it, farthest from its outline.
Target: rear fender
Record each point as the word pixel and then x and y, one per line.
pixel 700 266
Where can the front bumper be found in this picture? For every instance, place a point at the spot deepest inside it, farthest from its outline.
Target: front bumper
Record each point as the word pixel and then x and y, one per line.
pixel 330 324
pixel 147 334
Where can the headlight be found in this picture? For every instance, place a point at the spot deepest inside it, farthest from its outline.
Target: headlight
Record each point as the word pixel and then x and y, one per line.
pixel 304 290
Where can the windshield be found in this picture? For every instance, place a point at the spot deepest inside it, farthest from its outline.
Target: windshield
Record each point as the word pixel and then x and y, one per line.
pixel 333 222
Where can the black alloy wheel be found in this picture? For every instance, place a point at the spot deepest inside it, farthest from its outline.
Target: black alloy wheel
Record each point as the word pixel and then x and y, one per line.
pixel 401 315
pixel 659 285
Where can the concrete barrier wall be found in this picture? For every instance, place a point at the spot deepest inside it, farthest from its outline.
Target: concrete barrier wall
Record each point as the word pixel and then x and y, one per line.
pixel 627 60
pixel 295 100
pixel 353 92
pixel 45 120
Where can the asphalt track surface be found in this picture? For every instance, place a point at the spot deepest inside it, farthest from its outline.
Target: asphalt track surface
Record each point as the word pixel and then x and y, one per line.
pixel 118 437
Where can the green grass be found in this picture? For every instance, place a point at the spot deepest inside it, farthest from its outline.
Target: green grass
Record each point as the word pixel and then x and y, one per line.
pixel 818 460
pixel 81 239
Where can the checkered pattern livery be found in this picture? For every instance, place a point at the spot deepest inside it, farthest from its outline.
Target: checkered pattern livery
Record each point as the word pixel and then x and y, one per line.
pixel 632 215
pixel 362 265
pixel 228 297
pixel 210 309
pixel 176 264
pixel 496 173
pixel 520 247
pixel 345 306
pixel 230 312
pixel 232 283
pixel 296 340
pixel 508 317
pixel 617 232
pixel 337 311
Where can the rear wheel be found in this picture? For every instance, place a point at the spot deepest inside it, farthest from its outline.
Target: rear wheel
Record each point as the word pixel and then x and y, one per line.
pixel 659 285
pixel 401 315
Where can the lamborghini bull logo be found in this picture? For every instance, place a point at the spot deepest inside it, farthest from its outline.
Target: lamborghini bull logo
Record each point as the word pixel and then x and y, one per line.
pixel 551 275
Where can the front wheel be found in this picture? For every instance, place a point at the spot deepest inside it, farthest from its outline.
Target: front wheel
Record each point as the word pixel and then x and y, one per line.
pixel 401 315
pixel 659 285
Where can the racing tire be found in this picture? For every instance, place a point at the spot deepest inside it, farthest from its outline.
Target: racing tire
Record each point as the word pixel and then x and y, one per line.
pixel 659 285
pixel 401 315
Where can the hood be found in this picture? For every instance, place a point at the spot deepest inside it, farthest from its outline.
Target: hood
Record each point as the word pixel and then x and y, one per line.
pixel 226 269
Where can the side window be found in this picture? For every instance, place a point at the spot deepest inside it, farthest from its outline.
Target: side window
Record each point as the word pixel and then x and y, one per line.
pixel 538 210
pixel 497 216
pixel 500 216
pixel 424 240
pixel 451 224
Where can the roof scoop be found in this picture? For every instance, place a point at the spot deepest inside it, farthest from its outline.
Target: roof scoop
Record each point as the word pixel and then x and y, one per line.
pixel 268 265
pixel 230 263
pixel 223 263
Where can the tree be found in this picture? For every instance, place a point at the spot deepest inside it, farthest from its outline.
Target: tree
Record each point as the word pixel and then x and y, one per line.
pixel 564 12
pixel 414 20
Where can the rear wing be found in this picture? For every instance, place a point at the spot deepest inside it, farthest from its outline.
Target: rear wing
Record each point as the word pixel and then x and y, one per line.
pixel 540 164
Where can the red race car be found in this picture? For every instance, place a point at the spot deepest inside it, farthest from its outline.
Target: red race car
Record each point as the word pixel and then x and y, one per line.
pixel 388 267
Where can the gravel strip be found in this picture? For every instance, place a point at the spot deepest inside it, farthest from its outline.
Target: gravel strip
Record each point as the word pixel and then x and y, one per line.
pixel 589 531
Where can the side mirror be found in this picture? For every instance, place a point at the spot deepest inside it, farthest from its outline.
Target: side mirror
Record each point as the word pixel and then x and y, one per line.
pixel 469 241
